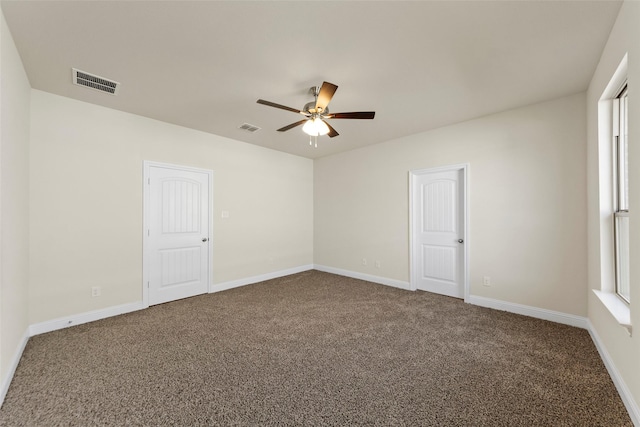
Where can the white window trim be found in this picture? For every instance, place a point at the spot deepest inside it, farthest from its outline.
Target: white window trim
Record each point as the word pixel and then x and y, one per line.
pixel 620 204
pixel 618 308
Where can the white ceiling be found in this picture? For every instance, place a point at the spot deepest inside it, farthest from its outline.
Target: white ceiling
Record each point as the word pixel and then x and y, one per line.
pixel 419 64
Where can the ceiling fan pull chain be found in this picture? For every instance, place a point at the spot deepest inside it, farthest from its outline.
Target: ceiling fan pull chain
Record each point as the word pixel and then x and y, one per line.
pixel 316 144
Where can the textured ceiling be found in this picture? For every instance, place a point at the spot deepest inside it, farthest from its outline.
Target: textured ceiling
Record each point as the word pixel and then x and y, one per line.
pixel 420 64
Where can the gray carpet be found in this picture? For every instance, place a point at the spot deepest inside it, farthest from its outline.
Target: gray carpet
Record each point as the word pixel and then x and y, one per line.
pixel 314 349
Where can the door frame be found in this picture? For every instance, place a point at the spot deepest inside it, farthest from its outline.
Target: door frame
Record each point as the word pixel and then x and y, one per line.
pixel 413 175
pixel 146 199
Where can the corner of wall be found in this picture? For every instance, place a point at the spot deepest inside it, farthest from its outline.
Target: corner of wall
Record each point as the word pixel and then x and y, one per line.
pixel 619 350
pixel 15 97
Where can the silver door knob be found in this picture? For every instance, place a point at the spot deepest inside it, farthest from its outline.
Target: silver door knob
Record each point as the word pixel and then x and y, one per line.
pixel 460 241
pixel 204 239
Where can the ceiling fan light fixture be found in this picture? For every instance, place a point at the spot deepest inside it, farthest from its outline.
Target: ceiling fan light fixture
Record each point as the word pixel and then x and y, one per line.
pixel 315 127
pixel 317 111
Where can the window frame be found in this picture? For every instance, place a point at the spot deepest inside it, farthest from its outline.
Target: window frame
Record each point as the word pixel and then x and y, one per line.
pixel 621 193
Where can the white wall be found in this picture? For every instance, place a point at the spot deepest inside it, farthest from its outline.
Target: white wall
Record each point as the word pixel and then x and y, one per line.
pixel 624 350
pixel 14 204
pixel 86 204
pixel 527 197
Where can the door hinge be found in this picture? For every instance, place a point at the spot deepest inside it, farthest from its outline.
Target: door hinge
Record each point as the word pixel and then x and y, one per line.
pixel 148 285
pixel 148 232
pixel 149 181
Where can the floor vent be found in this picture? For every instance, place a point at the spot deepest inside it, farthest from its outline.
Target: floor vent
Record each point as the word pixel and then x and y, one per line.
pixel 249 128
pixel 91 81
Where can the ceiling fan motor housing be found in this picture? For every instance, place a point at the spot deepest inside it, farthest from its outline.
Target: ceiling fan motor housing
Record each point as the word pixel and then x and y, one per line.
pixel 317 112
pixel 310 107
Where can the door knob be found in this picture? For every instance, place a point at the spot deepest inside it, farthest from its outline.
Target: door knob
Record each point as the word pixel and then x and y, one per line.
pixel 204 239
pixel 460 241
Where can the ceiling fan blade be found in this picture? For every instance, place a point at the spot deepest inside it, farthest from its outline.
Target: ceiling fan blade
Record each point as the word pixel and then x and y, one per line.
pixel 291 126
pixel 332 131
pixel 282 107
pixel 355 115
pixel 324 96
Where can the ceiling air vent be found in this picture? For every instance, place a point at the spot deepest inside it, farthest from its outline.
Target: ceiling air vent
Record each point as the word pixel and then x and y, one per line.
pixel 249 128
pixel 91 81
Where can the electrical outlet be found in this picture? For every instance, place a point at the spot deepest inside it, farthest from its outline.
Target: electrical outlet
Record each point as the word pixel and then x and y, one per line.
pixel 95 291
pixel 378 264
pixel 486 281
pixel 364 261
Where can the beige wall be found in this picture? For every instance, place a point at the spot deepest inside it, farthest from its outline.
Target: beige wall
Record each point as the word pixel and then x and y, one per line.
pixel 86 204
pixel 623 349
pixel 14 201
pixel 527 200
pixel 83 175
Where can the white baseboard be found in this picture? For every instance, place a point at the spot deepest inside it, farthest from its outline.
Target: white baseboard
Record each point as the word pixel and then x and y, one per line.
pixel 621 386
pixel 571 320
pixel 538 313
pixel 554 316
pixel 218 287
pixel 6 381
pixel 362 276
pixel 525 310
pixel 78 319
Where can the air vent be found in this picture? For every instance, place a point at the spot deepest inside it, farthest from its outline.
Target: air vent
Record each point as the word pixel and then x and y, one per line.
pixel 249 128
pixel 91 81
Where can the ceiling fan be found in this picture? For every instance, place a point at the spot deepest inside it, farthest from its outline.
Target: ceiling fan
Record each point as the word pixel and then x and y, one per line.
pixel 317 112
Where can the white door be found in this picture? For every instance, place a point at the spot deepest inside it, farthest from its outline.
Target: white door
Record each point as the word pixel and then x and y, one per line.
pixel 178 233
pixel 438 255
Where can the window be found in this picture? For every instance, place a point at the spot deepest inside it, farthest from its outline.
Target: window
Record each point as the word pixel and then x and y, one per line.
pixel 621 192
pixel 613 200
